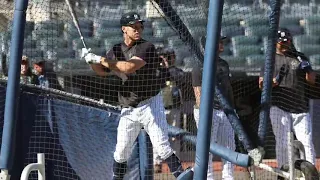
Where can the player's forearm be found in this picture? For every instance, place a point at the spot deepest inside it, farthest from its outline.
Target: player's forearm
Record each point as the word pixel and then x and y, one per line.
pixel 120 66
pixel 197 94
pixel 98 68
pixel 274 82
pixel 311 77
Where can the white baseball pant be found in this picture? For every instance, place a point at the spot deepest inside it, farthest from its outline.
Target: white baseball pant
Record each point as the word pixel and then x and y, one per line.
pixel 150 115
pixel 173 117
pixel 223 134
pixel 302 128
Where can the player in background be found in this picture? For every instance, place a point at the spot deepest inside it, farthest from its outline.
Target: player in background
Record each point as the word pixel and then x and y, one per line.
pixel 171 97
pixel 289 104
pixel 26 75
pixel 221 131
pixel 137 65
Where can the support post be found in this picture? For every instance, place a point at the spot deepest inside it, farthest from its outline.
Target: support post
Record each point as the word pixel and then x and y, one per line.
pixel 12 93
pixel 208 88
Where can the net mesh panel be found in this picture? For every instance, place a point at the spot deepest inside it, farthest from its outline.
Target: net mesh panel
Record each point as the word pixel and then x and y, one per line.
pixel 51 36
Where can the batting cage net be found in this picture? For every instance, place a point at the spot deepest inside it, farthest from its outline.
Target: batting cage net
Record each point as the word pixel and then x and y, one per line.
pixel 93 95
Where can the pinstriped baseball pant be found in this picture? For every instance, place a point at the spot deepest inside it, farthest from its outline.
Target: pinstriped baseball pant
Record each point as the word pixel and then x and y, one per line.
pixel 302 128
pixel 150 115
pixel 223 134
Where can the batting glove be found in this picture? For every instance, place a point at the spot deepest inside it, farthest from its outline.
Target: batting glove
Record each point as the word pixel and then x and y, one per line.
pixel 304 65
pixel 257 155
pixel 89 57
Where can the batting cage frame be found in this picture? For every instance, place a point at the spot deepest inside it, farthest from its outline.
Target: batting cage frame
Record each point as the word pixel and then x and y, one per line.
pixel 255 155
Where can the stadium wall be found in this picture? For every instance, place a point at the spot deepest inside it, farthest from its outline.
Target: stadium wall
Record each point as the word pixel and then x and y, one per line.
pixel 78 141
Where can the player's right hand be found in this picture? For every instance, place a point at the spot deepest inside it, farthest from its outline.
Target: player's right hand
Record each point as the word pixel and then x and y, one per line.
pixel 89 57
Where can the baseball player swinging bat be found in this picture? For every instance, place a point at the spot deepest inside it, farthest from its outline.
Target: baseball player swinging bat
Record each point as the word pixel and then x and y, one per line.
pixel 87 50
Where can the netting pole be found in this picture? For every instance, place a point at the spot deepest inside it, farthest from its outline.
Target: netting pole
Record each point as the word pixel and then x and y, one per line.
pixel 268 70
pixel 12 93
pixel 208 88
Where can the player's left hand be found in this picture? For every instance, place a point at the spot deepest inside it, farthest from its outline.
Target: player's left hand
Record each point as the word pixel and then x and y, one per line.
pixel 89 57
pixel 304 65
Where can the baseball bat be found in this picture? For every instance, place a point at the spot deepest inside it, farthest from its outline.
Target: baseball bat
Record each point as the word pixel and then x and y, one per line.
pixel 75 22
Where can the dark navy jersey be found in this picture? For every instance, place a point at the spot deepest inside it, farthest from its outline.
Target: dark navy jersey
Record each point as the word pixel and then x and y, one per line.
pixel 147 81
pixel 290 94
pixel 222 81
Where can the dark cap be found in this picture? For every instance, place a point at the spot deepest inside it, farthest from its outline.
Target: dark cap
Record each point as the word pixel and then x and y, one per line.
pixel 284 35
pixel 203 40
pixel 130 18
pixel 40 62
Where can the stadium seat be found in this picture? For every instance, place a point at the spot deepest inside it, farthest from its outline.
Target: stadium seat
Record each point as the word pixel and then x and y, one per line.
pixel 152 39
pixel 107 23
pixel 299 2
pixel 230 20
pixel 289 20
pixel 109 42
pixel 90 42
pixel 148 31
pixel 29 43
pixel 49 25
pixel 163 32
pixel 185 9
pixel 147 23
pixel 198 20
pixel 312 30
pixel 197 31
pixel 235 61
pixel 108 32
pixel 241 40
pixel 260 30
pixel 70 64
pixel 255 60
pixel 32 52
pixel 240 2
pixel 174 41
pixel 257 20
pixel 51 43
pixel 83 23
pixel 310 20
pixel 74 34
pixel 29 27
pixel 315 59
pixel 305 39
pixel 232 30
pixel 264 43
pixel 309 49
pixel 59 53
pixel 39 34
pixel 246 50
pixel 159 23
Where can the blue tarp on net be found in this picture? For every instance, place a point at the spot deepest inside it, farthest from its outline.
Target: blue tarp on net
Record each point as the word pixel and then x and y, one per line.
pixel 78 141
